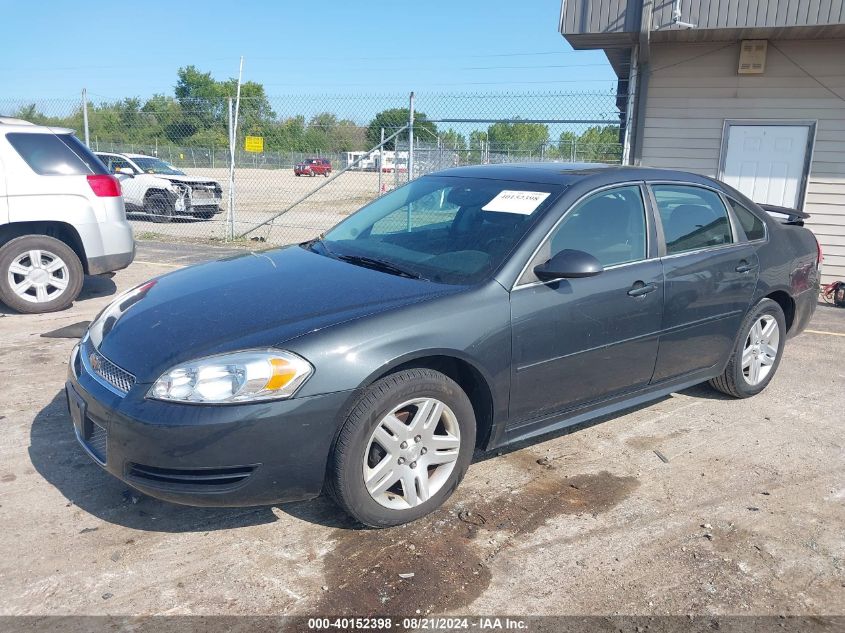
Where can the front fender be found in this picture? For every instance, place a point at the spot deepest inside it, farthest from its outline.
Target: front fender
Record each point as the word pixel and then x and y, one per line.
pixel 472 326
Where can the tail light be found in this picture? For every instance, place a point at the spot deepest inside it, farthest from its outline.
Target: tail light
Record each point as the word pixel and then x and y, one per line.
pixel 820 254
pixel 104 185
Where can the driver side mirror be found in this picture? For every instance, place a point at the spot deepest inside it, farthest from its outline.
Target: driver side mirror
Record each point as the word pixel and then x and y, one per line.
pixel 125 171
pixel 568 264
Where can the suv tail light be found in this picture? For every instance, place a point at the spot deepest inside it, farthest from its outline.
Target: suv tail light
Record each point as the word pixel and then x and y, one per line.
pixel 821 255
pixel 104 185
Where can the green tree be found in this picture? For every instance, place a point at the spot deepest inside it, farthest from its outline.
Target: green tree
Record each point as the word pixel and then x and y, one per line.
pixel 393 119
pixel 517 137
pixel 451 139
pixel 204 103
pixel 596 144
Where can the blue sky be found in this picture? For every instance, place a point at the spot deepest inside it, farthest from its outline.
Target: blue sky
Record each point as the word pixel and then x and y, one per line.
pixel 54 49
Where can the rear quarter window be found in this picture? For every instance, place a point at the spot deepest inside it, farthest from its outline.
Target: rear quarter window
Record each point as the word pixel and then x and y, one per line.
pixel 751 224
pixel 55 154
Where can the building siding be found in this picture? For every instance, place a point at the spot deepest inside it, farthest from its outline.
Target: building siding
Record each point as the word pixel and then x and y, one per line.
pixel 581 17
pixel 693 88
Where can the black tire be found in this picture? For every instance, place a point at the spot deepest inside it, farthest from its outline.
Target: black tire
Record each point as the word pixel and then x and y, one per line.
pixel 345 480
pixel 733 382
pixel 326 174
pixel 19 247
pixel 159 208
pixel 205 215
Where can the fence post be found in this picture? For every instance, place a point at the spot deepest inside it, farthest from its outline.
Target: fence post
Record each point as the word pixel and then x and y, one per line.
pixel 411 138
pixel 380 152
pixel 85 116
pixel 231 211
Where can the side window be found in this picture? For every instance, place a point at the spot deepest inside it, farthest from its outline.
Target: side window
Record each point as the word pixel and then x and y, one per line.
pixel 112 162
pixel 751 224
pixel 692 217
pixel 119 163
pixel 609 225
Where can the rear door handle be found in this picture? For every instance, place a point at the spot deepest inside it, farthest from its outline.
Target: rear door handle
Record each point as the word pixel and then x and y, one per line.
pixel 744 267
pixel 639 289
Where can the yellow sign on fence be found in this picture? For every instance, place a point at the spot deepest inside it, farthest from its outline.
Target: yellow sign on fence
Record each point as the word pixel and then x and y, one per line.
pixel 254 144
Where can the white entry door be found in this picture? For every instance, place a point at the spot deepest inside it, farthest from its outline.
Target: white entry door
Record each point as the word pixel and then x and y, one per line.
pixel 767 162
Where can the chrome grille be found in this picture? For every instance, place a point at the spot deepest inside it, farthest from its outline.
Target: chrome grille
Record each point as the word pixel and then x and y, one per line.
pixel 117 377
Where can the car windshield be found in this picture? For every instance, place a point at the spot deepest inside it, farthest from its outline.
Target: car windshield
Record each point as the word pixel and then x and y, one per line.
pixel 157 166
pixel 444 229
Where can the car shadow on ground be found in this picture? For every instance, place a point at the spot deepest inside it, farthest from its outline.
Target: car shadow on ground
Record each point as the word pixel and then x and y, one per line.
pixel 57 456
pixel 92 288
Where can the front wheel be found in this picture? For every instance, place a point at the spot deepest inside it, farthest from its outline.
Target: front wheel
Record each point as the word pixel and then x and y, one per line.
pixel 39 274
pixel 159 208
pixel 757 353
pixel 403 449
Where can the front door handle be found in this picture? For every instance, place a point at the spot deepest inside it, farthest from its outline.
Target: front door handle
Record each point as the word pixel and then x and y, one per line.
pixel 640 288
pixel 744 267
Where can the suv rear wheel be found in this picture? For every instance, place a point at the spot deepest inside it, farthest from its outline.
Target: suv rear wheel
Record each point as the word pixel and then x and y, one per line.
pixel 39 274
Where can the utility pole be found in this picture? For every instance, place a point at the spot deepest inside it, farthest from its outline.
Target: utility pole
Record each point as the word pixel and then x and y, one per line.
pixel 233 139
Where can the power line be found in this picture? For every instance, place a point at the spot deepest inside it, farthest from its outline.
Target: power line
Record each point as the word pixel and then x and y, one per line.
pixel 610 80
pixel 288 57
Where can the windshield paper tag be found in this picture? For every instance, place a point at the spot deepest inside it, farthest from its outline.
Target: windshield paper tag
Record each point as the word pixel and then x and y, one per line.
pixel 523 202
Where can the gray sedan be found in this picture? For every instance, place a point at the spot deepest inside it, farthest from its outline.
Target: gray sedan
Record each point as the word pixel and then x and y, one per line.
pixel 467 310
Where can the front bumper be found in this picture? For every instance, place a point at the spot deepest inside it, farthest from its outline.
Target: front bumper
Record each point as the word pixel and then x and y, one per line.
pixel 217 455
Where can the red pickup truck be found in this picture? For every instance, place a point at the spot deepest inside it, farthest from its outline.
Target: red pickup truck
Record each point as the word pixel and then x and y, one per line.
pixel 313 167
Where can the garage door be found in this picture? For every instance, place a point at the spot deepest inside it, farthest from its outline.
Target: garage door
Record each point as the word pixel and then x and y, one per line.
pixel 767 162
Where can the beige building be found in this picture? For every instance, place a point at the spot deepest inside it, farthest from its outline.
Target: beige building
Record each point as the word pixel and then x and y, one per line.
pixel 752 93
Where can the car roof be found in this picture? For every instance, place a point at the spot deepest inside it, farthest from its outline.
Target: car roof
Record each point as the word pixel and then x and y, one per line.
pixel 570 173
pixel 12 124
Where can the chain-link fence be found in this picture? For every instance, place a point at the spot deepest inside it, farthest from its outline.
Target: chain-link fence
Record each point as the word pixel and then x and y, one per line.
pixel 302 163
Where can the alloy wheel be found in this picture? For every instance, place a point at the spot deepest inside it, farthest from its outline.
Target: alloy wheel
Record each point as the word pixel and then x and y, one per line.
pixel 411 453
pixel 38 276
pixel 761 349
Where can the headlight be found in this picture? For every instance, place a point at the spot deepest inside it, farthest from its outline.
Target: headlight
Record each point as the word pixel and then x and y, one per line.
pixel 239 377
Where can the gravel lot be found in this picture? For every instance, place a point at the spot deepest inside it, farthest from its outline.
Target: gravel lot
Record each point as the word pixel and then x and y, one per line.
pixel 744 515
pixel 261 193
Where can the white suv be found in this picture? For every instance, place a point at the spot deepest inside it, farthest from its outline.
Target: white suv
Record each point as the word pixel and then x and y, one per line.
pixel 157 189
pixel 61 217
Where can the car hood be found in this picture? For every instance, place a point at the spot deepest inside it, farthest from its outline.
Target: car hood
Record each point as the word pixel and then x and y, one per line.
pixel 187 179
pixel 255 300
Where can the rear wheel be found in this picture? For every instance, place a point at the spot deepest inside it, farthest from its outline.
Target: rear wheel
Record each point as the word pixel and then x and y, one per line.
pixel 39 274
pixel 158 207
pixel 403 449
pixel 205 215
pixel 757 353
